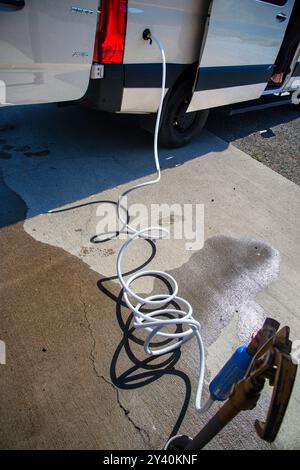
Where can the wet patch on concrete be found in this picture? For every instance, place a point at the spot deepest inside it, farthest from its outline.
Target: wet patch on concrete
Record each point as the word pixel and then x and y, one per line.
pixel 23 148
pixel 27 150
pixel 7 127
pixel 103 252
pixel 224 279
pixel 7 147
pixel 38 153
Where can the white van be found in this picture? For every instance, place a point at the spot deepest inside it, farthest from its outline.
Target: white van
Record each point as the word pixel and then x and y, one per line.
pixel 218 52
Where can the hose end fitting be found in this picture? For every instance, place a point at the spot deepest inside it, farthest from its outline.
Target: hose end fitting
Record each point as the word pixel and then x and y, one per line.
pixel 147 35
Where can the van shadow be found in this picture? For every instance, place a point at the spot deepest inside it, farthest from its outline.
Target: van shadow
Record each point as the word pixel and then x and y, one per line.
pixel 56 156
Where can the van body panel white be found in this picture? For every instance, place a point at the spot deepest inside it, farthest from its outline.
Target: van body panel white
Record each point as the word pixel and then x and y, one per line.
pixel 177 23
pixel 218 97
pixel 46 50
pixel 135 100
pixel 244 33
pixel 242 44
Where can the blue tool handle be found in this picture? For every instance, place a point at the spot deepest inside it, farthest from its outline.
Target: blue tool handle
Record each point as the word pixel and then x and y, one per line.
pixel 233 371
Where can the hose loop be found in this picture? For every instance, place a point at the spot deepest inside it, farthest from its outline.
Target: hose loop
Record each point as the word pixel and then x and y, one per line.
pixel 160 318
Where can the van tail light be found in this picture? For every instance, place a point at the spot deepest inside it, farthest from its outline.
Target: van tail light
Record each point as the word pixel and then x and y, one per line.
pixel 110 36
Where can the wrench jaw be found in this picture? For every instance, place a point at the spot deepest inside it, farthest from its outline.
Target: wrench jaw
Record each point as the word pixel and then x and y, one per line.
pixel 273 363
pixel 282 379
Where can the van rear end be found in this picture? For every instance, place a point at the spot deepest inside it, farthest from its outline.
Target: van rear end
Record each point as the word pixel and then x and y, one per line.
pixel 126 71
pixel 107 75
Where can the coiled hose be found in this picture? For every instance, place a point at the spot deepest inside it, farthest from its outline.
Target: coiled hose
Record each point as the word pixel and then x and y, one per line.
pixel 150 321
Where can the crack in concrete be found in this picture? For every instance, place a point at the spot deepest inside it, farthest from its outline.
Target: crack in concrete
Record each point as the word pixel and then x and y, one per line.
pixel 144 434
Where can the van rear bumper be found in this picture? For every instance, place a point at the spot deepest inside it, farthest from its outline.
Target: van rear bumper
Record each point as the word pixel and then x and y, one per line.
pixel 106 93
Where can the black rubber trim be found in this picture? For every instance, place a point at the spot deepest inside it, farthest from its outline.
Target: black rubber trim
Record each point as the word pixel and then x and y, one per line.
pixel 149 75
pixel 106 93
pixel 296 72
pixel 209 78
pixel 212 78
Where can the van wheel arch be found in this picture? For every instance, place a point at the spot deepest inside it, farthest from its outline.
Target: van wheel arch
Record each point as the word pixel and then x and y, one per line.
pixel 177 126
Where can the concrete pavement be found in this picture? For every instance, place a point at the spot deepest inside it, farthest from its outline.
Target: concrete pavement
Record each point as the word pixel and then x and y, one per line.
pixel 76 374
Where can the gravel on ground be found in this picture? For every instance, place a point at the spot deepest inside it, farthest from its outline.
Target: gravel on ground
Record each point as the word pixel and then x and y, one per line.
pixel 271 136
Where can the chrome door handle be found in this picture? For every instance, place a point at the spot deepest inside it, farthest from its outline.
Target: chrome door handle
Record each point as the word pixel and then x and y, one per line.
pixel 281 17
pixel 11 5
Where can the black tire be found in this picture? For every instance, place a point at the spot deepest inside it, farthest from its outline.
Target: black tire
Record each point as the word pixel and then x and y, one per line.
pixel 177 126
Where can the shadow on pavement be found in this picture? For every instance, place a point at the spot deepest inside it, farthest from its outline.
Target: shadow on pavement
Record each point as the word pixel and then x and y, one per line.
pixel 142 372
pixel 56 156
pixel 238 126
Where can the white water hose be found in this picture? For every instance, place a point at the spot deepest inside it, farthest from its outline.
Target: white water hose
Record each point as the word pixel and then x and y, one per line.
pixel 152 322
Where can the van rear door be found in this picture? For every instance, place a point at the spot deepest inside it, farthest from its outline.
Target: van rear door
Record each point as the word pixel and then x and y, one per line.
pixel 46 49
pixel 242 42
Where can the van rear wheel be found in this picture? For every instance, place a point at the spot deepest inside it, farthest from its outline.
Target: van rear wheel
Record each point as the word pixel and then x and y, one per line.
pixel 177 126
